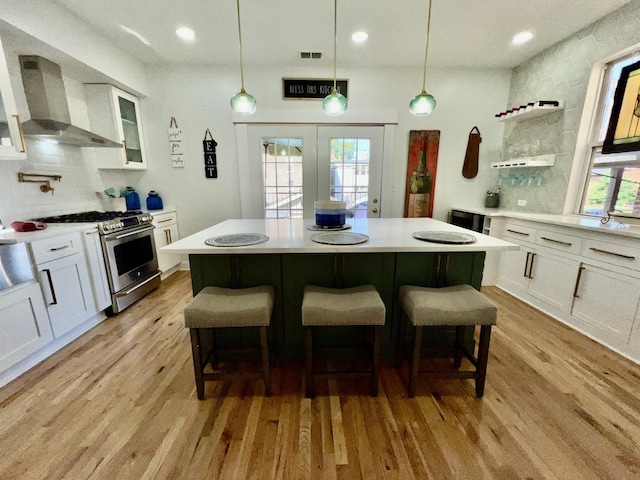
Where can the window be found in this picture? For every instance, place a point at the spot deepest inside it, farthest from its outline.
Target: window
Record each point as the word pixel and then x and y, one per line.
pixel 613 180
pixel 282 177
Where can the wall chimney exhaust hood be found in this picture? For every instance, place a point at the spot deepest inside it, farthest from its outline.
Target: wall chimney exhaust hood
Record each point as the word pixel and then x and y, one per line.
pixel 47 100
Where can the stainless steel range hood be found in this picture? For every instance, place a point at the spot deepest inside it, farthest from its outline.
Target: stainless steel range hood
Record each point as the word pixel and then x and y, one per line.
pixel 47 100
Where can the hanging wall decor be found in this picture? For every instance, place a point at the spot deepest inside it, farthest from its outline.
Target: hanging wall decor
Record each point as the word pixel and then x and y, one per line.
pixel 175 144
pixel 421 173
pixel 210 161
pixel 470 165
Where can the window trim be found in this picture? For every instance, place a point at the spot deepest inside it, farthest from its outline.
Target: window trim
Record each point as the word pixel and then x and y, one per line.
pixel 581 164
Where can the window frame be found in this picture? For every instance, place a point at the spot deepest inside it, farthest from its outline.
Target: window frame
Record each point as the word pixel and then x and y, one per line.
pixel 588 144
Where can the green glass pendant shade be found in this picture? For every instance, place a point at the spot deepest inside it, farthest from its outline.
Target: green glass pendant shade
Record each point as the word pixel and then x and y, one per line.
pixel 334 104
pixel 422 104
pixel 243 103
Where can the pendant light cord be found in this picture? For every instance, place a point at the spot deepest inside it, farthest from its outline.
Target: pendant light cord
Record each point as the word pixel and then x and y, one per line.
pixel 335 41
pixel 426 49
pixel 240 38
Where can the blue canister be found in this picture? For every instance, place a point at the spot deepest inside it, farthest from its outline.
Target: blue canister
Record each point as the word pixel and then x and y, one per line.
pixel 154 202
pixel 131 198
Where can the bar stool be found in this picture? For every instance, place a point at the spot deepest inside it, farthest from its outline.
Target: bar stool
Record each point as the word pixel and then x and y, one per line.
pixel 458 306
pixel 322 307
pixel 215 307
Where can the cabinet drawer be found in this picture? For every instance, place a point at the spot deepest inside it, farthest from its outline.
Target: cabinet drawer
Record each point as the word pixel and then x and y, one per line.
pixel 519 233
pixel 559 241
pixel 163 219
pixel 53 248
pixel 612 253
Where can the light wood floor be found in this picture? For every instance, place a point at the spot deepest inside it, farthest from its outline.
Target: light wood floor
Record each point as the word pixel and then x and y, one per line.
pixel 120 403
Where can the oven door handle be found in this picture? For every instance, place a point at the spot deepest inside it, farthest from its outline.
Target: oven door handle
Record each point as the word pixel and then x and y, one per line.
pixel 138 285
pixel 124 235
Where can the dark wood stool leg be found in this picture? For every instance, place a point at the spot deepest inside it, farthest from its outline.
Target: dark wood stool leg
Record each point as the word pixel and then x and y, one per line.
pixel 308 371
pixel 457 356
pixel 415 360
pixel 266 367
pixel 401 339
pixel 375 360
pixel 483 358
pixel 197 361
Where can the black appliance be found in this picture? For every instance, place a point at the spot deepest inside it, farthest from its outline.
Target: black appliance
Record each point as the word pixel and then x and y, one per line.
pixel 468 220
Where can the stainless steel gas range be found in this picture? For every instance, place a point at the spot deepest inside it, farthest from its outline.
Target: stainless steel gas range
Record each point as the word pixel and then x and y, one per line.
pixel 129 252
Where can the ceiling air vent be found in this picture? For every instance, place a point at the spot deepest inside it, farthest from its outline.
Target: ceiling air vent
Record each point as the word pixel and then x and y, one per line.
pixel 312 55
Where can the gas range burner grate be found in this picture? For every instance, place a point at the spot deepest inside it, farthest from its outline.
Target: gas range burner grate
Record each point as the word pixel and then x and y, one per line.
pixel 87 217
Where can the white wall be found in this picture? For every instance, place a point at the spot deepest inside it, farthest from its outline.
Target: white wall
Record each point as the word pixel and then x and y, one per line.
pixel 199 99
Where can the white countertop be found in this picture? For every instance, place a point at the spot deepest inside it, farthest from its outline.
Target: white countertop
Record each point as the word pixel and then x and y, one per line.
pixel 8 235
pixel 291 236
pixel 583 222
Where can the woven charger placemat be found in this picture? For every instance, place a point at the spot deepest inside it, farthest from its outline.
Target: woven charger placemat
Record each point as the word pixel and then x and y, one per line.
pixel 236 240
pixel 445 237
pixel 339 238
pixel 320 228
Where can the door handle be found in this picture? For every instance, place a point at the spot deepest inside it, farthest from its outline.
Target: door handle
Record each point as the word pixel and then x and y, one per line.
pixel 575 289
pixel 526 264
pixel 533 257
pixel 54 300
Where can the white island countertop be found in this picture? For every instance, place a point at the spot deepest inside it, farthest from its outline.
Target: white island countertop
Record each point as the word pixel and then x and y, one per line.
pixel 292 236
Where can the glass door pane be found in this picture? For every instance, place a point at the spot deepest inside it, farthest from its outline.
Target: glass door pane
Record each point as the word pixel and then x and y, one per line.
pixel 350 159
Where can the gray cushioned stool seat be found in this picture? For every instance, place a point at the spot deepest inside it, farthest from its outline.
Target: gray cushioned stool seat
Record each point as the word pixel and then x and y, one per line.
pixel 360 305
pixel 458 305
pixel 342 307
pixel 215 307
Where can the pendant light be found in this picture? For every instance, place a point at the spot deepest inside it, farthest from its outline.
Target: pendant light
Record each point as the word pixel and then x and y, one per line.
pixel 335 103
pixel 242 102
pixel 423 103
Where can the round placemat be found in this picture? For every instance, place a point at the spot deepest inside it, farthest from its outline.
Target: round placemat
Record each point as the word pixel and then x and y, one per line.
pixel 445 237
pixel 339 238
pixel 236 240
pixel 320 228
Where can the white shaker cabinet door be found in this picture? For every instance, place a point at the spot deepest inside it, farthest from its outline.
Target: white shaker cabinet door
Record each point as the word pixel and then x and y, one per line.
pixel 552 279
pixel 24 324
pixel 607 301
pixel 97 269
pixel 67 291
pixel 514 266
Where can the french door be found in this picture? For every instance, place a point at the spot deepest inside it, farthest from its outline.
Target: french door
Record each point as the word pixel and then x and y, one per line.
pixel 291 166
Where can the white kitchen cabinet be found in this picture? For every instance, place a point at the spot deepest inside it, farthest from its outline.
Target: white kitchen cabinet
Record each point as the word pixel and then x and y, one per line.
pixel 607 301
pixel 97 269
pixel 587 280
pixel 24 324
pixel 12 144
pixel 64 277
pixel 115 114
pixel 552 279
pixel 166 232
pixel 536 270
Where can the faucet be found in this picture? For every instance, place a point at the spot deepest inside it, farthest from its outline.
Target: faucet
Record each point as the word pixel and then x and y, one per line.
pixel 47 187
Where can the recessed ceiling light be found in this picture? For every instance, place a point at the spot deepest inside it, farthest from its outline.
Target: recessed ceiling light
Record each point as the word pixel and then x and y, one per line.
pixel 359 37
pixel 135 34
pixel 522 37
pixel 185 33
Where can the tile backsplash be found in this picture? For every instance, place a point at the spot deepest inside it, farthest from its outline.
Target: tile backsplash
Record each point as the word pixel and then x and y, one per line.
pixel 560 73
pixel 78 190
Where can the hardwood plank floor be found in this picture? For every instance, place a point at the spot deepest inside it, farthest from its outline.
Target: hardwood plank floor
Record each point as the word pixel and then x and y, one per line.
pixel 120 403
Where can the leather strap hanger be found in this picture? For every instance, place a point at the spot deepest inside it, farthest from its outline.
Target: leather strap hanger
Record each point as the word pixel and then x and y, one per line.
pixel 470 166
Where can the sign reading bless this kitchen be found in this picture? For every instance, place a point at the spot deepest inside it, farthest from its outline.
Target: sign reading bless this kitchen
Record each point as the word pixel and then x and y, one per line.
pixel 311 88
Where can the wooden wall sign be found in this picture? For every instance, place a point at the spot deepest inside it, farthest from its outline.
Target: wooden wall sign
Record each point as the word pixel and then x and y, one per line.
pixel 210 162
pixel 312 88
pixel 421 173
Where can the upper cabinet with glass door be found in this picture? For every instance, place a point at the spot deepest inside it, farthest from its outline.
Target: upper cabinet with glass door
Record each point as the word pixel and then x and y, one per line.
pixel 12 145
pixel 116 114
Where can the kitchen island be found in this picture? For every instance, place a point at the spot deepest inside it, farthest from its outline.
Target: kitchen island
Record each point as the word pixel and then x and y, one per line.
pixel 290 259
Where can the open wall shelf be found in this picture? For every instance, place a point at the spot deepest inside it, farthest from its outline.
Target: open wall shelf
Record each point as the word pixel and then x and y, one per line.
pixel 531 111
